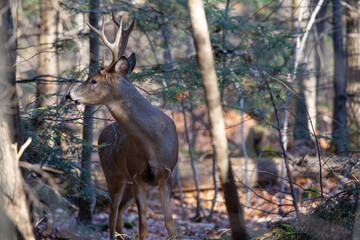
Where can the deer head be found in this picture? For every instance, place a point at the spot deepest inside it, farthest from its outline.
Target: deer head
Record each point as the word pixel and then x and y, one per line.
pixel 102 87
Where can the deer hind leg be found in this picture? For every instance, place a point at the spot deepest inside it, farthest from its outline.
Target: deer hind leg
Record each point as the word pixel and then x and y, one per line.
pixel 140 198
pixel 165 198
pixel 116 192
pixel 126 201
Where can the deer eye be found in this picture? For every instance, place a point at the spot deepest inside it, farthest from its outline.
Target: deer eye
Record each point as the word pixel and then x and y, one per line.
pixel 93 81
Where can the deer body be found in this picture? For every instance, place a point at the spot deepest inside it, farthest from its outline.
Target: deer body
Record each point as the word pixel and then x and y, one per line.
pixel 152 134
pixel 141 147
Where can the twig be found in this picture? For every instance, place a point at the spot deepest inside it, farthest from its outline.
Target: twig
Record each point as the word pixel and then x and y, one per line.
pixel 216 189
pixel 245 152
pixel 259 196
pixel 44 78
pixel 299 48
pixel 100 10
pixel 286 111
pixel 52 184
pixel 199 205
pixel 344 176
pixel 152 47
pixel 22 148
pixel 181 197
pixel 283 149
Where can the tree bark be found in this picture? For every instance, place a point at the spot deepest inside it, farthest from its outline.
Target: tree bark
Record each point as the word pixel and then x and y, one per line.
pixel 353 64
pixel 319 51
pixel 310 82
pixel 216 119
pixel 47 55
pixel 87 201
pixel 10 28
pixel 14 212
pixel 301 128
pixel 340 133
pixel 305 117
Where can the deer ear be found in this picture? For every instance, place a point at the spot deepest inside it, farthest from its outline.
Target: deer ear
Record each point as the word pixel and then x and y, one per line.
pixel 132 63
pixel 122 66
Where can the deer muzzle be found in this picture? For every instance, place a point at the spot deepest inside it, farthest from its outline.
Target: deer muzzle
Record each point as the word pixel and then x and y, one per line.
pixel 71 97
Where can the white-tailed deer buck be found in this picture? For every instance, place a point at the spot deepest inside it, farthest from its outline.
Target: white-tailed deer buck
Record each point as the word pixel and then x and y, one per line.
pixel 141 147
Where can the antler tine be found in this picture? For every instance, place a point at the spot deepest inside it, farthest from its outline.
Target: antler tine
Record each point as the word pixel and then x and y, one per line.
pixel 125 33
pixel 113 47
pixel 125 38
pixel 115 20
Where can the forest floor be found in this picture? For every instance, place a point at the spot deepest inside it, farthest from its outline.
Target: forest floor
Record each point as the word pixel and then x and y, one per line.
pixel 261 216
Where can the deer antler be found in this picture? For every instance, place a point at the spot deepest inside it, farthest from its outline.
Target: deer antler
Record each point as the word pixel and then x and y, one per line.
pixel 125 34
pixel 121 34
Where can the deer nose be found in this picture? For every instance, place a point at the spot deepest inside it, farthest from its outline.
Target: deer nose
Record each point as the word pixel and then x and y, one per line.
pixel 68 97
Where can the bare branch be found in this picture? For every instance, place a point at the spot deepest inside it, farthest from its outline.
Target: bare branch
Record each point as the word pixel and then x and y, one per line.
pixel 47 78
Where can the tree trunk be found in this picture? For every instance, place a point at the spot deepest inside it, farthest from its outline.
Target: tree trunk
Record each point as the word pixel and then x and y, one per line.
pixel 319 52
pixel 10 29
pixel 165 38
pixel 306 101
pixel 340 134
pixel 14 212
pixel 47 56
pixel 217 124
pixel 165 33
pixel 353 66
pixel 301 128
pixel 87 201
pixel 310 82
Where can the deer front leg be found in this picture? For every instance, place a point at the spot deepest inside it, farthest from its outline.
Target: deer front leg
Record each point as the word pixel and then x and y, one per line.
pixel 165 198
pixel 140 198
pixel 116 192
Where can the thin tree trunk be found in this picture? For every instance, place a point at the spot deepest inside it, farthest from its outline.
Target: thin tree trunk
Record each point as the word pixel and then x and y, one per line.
pixel 353 65
pixel 300 43
pixel 216 119
pixel 47 56
pixel 216 190
pixel 319 42
pixel 286 113
pixel 11 26
pixel 199 207
pixel 223 56
pixel 181 197
pixel 167 66
pixel 152 47
pixel 165 39
pixel 14 212
pixel 310 82
pixel 87 201
pixel 305 102
pixel 243 143
pixel 301 128
pixel 284 152
pixel 340 134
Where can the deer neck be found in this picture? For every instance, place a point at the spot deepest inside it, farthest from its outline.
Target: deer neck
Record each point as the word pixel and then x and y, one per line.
pixel 136 116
